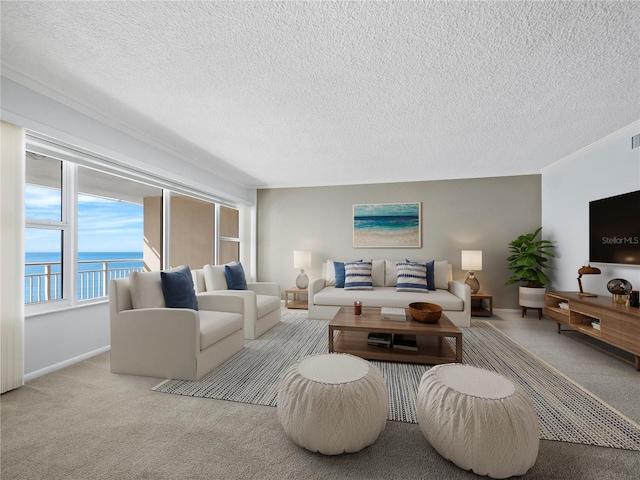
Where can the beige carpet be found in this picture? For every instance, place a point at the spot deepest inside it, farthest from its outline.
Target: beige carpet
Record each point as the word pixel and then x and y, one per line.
pixel 83 423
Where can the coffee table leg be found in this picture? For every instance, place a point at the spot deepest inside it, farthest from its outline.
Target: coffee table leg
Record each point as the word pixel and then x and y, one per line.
pixel 330 340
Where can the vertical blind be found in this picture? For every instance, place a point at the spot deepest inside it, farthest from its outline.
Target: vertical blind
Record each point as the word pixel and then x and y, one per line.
pixel 12 168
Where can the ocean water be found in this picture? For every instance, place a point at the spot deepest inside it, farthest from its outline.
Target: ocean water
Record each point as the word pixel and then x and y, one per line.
pixel 387 224
pixel 90 285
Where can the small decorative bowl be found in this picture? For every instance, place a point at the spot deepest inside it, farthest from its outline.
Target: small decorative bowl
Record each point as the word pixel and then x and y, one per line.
pixel 425 312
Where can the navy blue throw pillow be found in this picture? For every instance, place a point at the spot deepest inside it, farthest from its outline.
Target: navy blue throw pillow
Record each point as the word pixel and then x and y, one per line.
pixel 177 288
pixel 235 277
pixel 339 269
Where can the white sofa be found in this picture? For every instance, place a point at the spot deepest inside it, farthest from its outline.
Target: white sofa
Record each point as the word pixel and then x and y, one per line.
pixel 261 299
pixel 454 297
pixel 176 343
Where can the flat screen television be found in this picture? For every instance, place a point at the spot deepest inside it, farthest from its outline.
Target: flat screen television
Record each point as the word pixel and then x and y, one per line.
pixel 614 229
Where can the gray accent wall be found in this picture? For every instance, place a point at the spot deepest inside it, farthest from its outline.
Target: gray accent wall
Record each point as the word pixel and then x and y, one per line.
pixel 471 214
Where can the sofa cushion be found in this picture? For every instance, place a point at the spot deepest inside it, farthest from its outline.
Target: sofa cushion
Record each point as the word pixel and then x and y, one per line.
pixel 338 268
pixel 431 282
pixel 431 276
pixel 390 273
pixel 197 276
pixel 329 274
pixel 358 276
pixel 334 273
pixel 234 274
pixel 377 273
pixel 441 274
pixel 146 290
pixel 266 304
pixel 215 326
pixel 177 288
pixel 412 277
pixel 214 278
pixel 386 297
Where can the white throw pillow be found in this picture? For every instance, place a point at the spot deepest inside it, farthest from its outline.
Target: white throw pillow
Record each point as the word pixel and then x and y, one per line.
pixel 214 278
pixel 329 274
pixel 441 274
pixel 390 274
pixel 377 273
pixel 146 290
pixel 412 277
pixel 358 276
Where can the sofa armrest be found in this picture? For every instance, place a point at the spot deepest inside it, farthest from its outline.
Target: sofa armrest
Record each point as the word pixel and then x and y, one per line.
pixel 265 288
pixel 249 301
pixel 462 291
pixel 220 302
pixel 157 330
pixel 314 287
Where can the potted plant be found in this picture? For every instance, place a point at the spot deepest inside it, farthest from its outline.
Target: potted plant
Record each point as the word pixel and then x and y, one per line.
pixel 527 261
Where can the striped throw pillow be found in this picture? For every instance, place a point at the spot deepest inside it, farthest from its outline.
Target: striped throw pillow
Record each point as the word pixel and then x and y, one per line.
pixel 411 277
pixel 357 276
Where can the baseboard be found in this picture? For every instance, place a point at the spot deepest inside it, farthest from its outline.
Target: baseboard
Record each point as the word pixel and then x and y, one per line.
pixel 66 363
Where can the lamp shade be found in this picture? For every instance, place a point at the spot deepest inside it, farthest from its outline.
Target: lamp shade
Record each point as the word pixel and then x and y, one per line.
pixel 472 260
pixel 301 259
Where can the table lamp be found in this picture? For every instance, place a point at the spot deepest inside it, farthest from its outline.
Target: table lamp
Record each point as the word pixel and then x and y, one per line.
pixel 302 260
pixel 472 261
pixel 588 270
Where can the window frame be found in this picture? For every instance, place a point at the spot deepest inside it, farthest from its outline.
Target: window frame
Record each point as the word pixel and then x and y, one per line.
pixel 72 157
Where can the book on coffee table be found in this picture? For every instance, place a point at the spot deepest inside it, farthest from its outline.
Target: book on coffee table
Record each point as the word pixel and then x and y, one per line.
pixel 380 339
pixel 405 342
pixel 396 314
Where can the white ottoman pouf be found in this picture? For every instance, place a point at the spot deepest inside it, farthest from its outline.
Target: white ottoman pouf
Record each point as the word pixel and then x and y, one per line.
pixel 333 403
pixel 478 419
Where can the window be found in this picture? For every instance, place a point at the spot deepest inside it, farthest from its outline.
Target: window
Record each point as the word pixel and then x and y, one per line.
pixel 110 229
pixel 46 225
pixel 89 220
pixel 43 265
pixel 229 237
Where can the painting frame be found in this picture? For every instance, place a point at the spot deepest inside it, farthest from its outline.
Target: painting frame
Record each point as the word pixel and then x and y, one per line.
pixel 387 225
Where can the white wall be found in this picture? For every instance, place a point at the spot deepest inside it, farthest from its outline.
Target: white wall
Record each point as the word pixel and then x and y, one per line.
pixel 58 339
pixel 34 111
pixel 605 168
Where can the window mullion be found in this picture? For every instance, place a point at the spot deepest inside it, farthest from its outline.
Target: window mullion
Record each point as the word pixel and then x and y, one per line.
pixel 70 234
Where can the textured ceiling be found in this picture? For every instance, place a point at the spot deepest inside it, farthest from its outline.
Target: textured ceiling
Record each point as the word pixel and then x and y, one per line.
pixel 278 94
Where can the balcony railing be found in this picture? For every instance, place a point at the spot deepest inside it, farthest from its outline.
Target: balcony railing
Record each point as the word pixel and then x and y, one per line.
pixel 90 282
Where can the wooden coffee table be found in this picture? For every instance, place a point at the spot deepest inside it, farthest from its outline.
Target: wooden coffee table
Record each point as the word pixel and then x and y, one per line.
pixel 348 334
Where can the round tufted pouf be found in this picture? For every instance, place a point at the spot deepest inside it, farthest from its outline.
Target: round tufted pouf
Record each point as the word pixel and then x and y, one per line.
pixel 333 403
pixel 478 419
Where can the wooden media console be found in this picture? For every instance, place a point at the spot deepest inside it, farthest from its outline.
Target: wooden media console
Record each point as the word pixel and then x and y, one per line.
pixel 619 324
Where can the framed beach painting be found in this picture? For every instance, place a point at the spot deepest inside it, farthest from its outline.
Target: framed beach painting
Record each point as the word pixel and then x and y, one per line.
pixel 387 225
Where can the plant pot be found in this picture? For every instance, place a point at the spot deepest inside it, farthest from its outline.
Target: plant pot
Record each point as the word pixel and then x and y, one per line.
pixel 532 297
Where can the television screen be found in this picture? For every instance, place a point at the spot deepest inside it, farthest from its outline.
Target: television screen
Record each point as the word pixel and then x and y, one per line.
pixel 614 229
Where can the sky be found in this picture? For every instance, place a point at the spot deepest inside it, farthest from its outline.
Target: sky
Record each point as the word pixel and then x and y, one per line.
pixel 103 225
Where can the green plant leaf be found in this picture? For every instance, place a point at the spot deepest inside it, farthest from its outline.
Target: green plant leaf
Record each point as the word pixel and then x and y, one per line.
pixel 528 257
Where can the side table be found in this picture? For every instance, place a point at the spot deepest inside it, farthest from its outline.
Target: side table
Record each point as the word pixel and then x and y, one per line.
pixel 477 305
pixel 296 302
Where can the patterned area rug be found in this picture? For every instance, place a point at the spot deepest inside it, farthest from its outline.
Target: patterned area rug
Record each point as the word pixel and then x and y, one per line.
pixel 567 412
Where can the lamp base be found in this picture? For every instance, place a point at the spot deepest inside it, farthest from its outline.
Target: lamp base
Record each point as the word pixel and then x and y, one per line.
pixel 302 282
pixel 473 283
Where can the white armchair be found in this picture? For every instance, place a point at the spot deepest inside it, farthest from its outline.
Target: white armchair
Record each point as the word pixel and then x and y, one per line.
pixel 261 299
pixel 151 340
